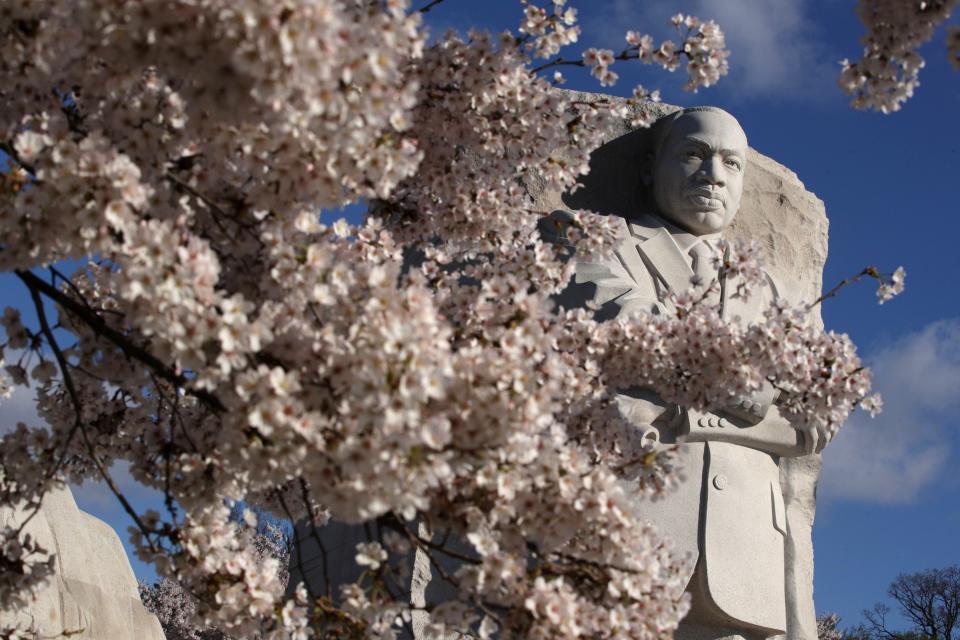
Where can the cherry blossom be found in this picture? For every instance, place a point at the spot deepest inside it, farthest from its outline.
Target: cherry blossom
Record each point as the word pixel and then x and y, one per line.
pixel 370 554
pixel 827 627
pixel 889 71
pixel 232 341
pixel 892 287
pixel 953 46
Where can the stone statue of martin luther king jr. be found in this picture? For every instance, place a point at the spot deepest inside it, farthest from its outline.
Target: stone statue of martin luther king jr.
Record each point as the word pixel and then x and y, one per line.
pixel 729 512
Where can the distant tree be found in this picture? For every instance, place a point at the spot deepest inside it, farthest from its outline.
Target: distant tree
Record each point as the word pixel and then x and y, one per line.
pixel 175 608
pixel 930 600
pixel 828 627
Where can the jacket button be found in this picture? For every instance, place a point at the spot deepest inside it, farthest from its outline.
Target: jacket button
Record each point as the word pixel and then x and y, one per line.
pixel 722 422
pixel 702 422
pixel 720 481
pixel 712 422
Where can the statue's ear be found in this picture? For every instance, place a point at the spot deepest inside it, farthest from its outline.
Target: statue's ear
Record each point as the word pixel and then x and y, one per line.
pixel 646 169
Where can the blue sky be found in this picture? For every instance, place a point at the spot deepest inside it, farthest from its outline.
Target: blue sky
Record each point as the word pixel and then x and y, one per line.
pixel 889 501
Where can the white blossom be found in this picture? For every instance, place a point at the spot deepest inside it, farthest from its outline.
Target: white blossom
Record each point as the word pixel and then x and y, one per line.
pixel 370 554
pixel 893 286
pixel 231 343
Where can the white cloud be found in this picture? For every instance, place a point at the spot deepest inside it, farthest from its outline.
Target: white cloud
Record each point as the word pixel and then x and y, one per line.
pixel 96 498
pixel 776 49
pixel 894 457
pixel 21 406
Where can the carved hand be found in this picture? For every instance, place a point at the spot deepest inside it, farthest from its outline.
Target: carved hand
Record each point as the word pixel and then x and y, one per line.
pixel 753 408
pixel 814 440
pixel 647 412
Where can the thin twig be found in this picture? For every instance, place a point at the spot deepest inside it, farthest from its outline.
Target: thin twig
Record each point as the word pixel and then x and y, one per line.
pixel 402 528
pixel 216 209
pixel 419 543
pixel 55 272
pixel 101 328
pixel 105 474
pixel 175 408
pixel 75 399
pixel 68 380
pixel 299 551
pixel 315 533
pixel 869 271
pixel 430 5
pixel 168 461
pixel 630 53
pixel 559 62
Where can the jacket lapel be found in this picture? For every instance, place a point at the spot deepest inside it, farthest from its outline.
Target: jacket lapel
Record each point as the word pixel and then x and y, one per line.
pixel 627 255
pixel 662 255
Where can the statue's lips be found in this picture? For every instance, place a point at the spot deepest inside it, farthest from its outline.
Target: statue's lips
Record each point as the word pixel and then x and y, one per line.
pixel 705 199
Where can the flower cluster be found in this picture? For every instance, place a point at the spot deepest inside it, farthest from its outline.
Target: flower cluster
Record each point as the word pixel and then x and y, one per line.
pixel 599 61
pixel 26 566
pixel 892 286
pixel 176 608
pixel 885 77
pixel 740 264
pixel 705 47
pixel 6 388
pixel 696 359
pixel 827 627
pixel 953 46
pixel 549 31
pixel 702 42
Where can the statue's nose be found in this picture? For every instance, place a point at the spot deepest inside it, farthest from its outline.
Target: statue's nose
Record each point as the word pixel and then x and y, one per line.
pixel 712 170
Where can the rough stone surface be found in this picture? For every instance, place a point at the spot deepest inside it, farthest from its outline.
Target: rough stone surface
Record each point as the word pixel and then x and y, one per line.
pixel 94 592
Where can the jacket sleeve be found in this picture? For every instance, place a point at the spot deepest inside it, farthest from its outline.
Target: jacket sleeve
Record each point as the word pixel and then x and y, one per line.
pixel 606 283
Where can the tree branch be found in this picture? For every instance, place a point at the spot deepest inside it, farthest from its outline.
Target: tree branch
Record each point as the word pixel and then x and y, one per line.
pixel 75 399
pixel 869 271
pixel 101 328
pixel 315 533
pixel 299 551
pixel 430 5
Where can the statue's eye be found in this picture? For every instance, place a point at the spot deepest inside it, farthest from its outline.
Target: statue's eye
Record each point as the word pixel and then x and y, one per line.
pixel 692 154
pixel 733 162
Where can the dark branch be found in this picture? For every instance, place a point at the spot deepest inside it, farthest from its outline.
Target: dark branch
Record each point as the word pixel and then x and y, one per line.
pixel 297 545
pixel 315 534
pixel 101 328
pixel 75 399
pixel 11 151
pixel 869 271
pixel 430 5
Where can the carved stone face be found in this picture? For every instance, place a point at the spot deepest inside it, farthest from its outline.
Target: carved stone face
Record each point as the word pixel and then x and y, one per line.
pixel 698 173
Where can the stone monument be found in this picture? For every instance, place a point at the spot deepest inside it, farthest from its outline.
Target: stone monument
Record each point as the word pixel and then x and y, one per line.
pixel 93 593
pixel 746 510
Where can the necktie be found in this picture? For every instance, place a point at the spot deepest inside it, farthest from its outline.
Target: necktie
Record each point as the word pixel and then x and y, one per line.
pixel 702 265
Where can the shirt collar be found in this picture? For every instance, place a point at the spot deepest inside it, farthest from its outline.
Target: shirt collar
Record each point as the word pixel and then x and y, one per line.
pixel 646 224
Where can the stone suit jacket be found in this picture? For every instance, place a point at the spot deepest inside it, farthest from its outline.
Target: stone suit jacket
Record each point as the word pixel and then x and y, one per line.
pixel 729 512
